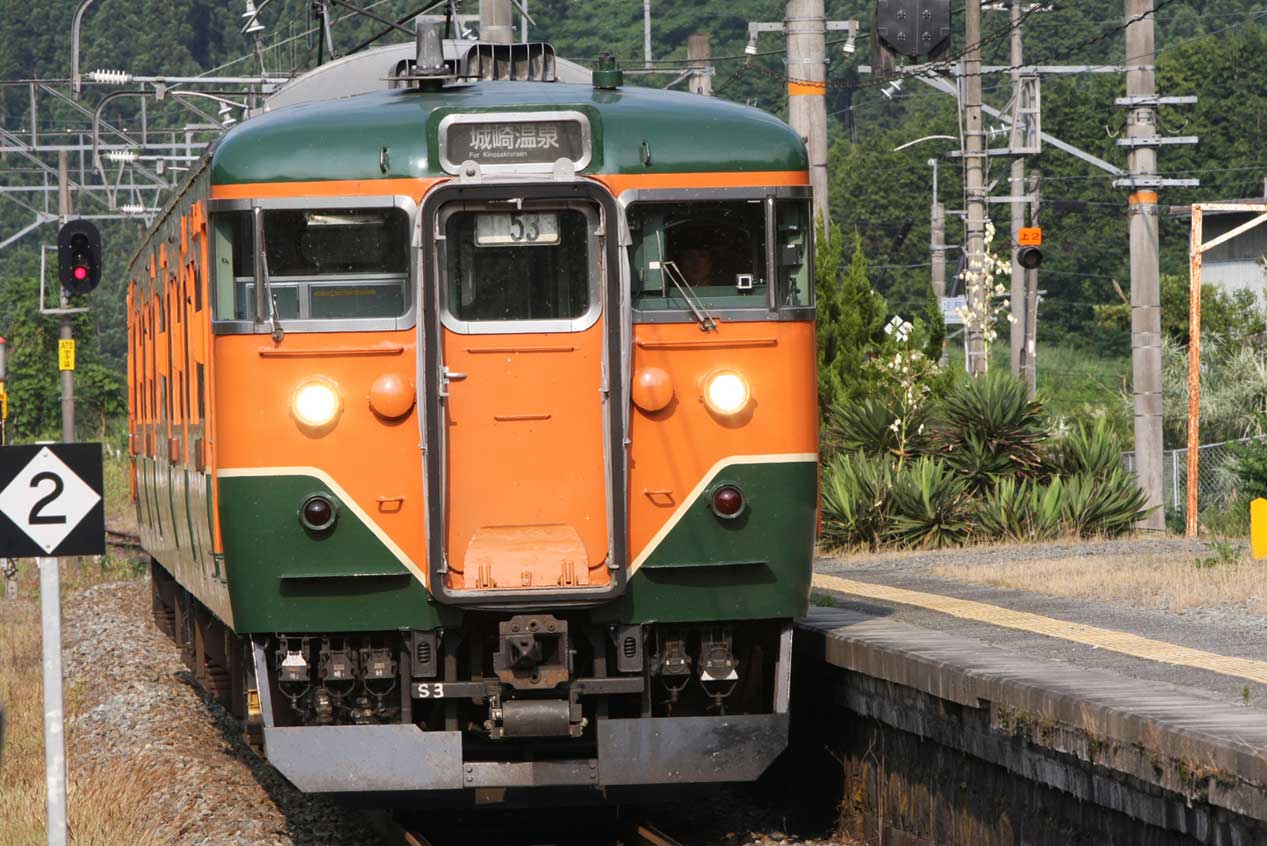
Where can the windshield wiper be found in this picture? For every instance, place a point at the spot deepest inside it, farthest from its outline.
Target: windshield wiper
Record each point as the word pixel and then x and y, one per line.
pixel 263 288
pixel 693 302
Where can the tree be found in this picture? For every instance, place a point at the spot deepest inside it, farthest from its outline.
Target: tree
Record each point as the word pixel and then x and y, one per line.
pixel 850 319
pixel 33 380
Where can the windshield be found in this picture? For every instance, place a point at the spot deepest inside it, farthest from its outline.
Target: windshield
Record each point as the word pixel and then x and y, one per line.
pixel 518 265
pixel 322 264
pixel 717 248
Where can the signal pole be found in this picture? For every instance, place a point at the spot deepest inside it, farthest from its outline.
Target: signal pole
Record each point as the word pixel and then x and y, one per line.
pixel 1141 124
pixel 974 179
pixel 66 333
pixel 1019 313
pixel 1029 357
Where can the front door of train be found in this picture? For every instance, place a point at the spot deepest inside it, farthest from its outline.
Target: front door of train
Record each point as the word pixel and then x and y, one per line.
pixel 524 444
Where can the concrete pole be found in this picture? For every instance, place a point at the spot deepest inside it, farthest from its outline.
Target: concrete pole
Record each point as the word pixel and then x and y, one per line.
pixel 937 248
pixel 806 27
pixel 497 23
pixel 68 376
pixel 698 54
pixel 1019 312
pixel 1145 280
pixel 974 178
pixel 1029 370
pixel 646 34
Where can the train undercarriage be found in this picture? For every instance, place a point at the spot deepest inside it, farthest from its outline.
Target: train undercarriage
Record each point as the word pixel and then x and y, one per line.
pixel 508 700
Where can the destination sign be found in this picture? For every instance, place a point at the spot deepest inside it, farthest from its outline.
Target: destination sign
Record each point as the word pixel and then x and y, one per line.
pixel 513 143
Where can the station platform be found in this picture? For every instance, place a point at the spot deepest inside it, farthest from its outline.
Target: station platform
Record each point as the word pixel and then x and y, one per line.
pixel 984 708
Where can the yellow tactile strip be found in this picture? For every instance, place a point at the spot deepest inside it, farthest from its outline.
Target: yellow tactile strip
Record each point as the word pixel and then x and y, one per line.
pixel 1128 644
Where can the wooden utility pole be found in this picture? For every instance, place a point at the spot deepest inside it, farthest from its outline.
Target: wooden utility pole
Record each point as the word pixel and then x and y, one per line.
pixel 806 27
pixel 1017 186
pixel 698 54
pixel 66 333
pixel 974 178
pixel 497 25
pixel 1141 123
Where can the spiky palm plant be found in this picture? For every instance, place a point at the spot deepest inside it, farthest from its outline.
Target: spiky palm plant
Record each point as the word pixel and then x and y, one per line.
pixel 931 505
pixel 857 499
pixel 869 426
pixel 989 427
pixel 1087 449
pixel 1108 505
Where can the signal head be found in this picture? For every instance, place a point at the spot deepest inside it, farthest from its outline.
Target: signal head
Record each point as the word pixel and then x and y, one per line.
pixel 79 257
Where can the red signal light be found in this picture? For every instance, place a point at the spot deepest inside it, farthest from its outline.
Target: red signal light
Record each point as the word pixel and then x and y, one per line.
pixel 80 272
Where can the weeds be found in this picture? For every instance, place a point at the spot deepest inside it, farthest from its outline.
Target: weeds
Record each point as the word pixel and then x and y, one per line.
pixel 819 599
pixel 1225 553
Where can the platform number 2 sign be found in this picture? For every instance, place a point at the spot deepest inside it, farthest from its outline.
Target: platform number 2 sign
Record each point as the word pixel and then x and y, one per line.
pixel 50 501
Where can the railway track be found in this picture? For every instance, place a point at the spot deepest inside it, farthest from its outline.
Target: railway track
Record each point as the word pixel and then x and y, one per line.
pixel 522 828
pixel 122 540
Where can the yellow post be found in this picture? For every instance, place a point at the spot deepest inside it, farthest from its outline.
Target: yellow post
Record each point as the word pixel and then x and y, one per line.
pixel 1258 528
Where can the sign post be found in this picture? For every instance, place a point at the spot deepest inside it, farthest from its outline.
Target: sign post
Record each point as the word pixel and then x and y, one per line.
pixel 54 724
pixel 51 505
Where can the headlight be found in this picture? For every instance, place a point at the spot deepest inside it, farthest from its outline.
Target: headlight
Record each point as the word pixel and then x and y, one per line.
pixel 726 392
pixel 316 403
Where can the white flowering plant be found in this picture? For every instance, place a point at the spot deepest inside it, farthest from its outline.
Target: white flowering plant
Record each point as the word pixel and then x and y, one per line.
pixel 906 376
pixel 987 298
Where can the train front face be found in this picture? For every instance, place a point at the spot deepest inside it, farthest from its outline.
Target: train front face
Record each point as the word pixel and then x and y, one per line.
pixel 516 435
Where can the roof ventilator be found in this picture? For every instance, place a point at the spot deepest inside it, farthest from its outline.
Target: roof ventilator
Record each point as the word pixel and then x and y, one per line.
pixel 523 62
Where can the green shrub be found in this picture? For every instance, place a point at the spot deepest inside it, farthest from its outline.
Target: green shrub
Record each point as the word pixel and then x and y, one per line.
pixel 1108 505
pixel 1249 465
pixel 1019 510
pixel 857 497
pixel 1090 449
pixel 988 427
pixel 865 426
pixel 931 505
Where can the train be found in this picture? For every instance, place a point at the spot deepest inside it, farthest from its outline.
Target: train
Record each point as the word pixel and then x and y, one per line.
pixel 473 426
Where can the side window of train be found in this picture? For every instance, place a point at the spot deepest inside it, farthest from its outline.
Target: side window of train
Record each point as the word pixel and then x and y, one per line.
pixel 322 264
pixel 793 257
pixel 231 251
pixel 714 251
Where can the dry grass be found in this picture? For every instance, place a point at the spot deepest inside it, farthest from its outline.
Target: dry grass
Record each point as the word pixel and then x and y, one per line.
pixel 108 803
pixel 117 480
pixel 1169 581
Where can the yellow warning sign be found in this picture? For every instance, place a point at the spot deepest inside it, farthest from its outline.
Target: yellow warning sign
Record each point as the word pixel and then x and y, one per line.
pixel 4 404
pixel 66 354
pixel 1258 528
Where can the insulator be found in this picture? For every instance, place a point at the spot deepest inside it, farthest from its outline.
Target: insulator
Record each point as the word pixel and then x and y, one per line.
pixel 121 156
pixel 110 77
pixel 132 208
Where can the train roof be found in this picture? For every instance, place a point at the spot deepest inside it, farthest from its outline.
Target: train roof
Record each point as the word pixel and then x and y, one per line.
pixel 342 139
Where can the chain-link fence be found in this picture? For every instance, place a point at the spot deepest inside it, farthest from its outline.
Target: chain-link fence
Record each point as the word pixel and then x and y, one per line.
pixel 1216 481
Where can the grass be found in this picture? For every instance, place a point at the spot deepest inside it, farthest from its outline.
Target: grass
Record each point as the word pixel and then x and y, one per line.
pixel 117 479
pixel 1152 581
pixel 108 803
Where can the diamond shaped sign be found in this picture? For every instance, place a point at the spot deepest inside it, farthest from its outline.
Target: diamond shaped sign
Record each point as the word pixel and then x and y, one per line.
pixel 50 501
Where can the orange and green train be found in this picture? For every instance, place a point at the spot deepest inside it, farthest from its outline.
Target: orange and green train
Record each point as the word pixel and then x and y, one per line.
pixel 474 434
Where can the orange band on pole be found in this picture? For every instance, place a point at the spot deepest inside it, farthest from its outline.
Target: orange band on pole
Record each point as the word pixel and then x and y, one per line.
pixel 805 88
pixel 1143 197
